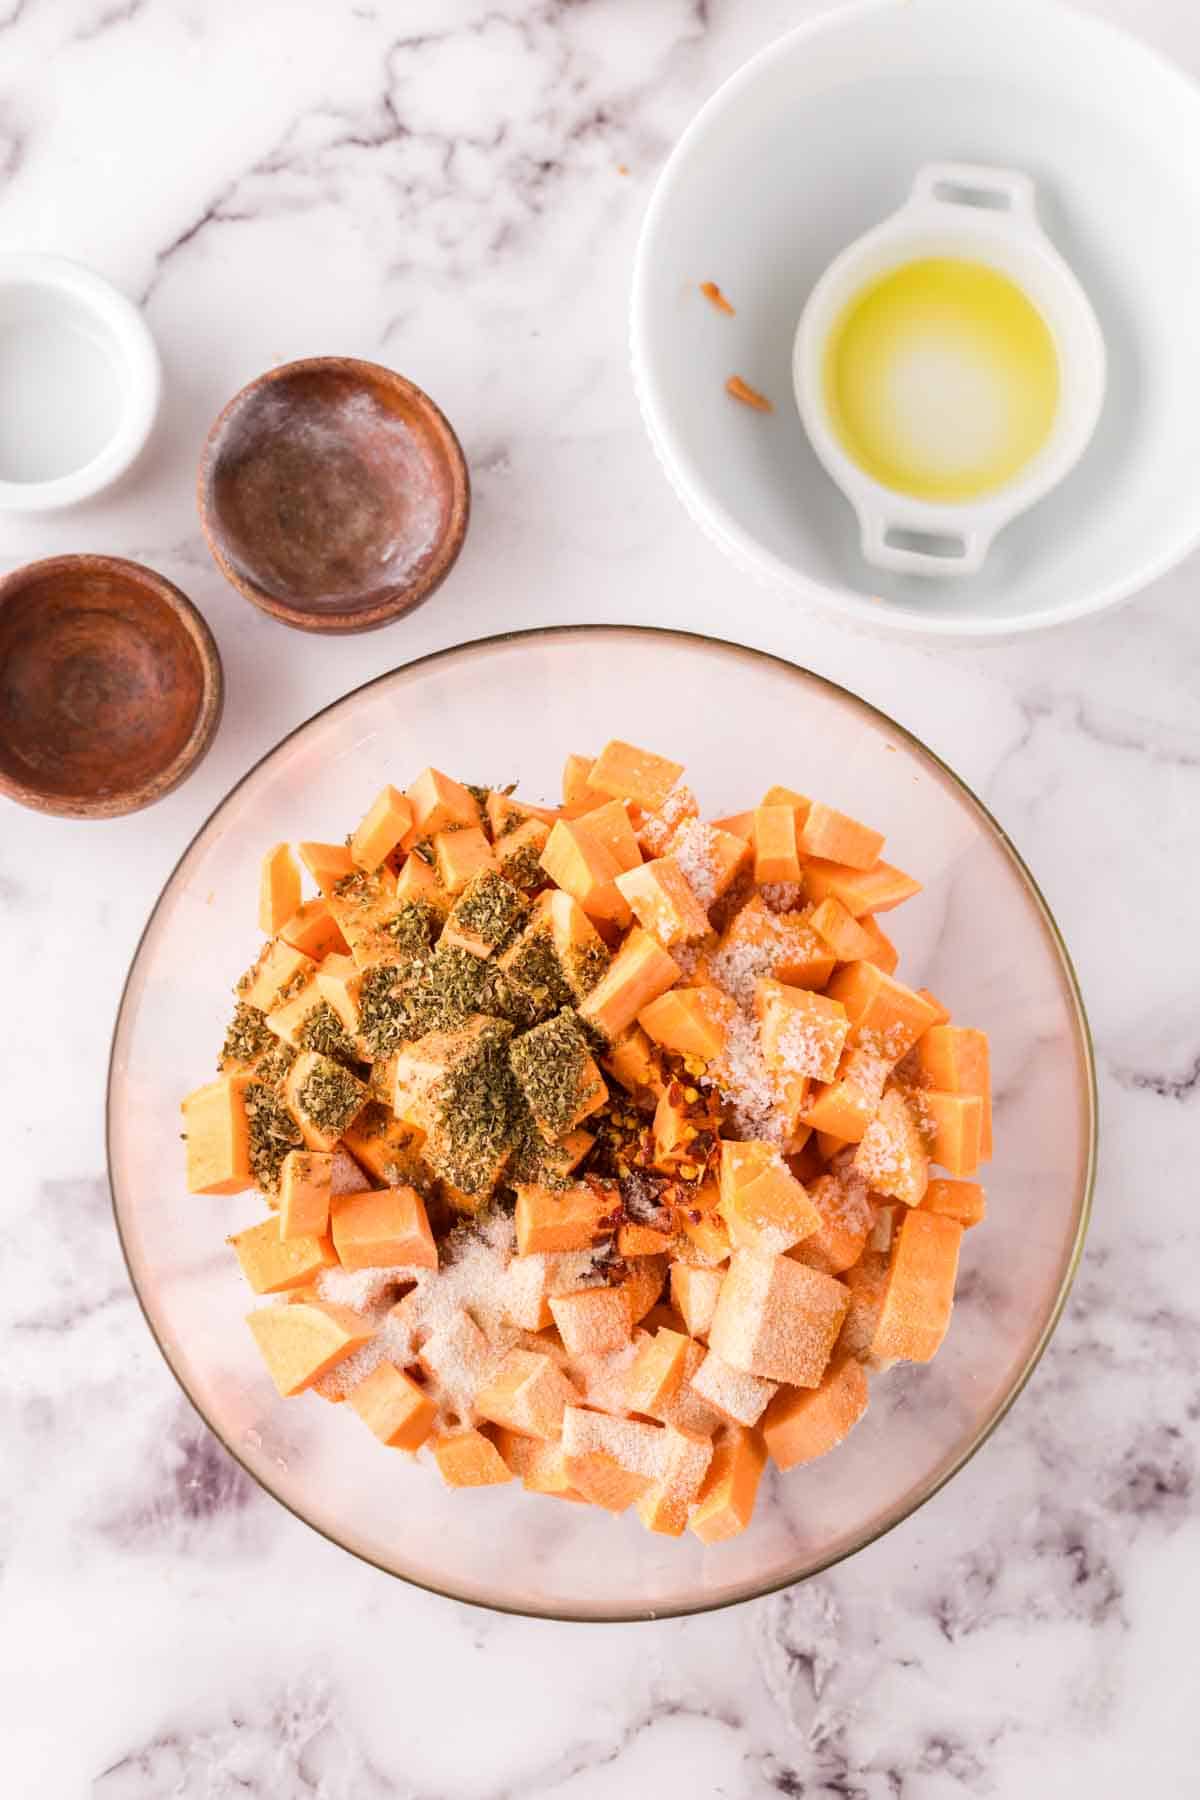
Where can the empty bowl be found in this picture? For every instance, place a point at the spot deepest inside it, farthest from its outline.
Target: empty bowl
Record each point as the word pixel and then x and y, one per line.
pixel 334 494
pixel 79 383
pixel 812 144
pixel 110 686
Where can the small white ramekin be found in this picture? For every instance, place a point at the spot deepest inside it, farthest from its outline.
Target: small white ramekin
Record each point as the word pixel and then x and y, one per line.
pixel 958 210
pixel 56 288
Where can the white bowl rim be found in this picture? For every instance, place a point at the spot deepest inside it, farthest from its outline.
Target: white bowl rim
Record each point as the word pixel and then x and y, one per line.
pixel 718 523
pixel 140 375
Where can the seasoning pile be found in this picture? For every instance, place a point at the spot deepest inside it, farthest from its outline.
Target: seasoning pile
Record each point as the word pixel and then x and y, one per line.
pixel 596 1139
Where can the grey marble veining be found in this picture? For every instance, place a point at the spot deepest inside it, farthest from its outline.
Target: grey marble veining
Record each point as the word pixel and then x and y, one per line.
pixel 455 188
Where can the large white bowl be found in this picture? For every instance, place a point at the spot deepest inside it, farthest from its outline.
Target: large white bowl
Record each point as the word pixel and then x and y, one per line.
pixel 817 139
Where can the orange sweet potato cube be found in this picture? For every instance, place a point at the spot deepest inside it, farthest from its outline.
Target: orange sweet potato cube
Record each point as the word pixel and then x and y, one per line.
pixel 386 1147
pixel 919 1296
pixel 586 869
pixel 519 853
pixel 846 1224
pixel 559 1219
pixel 461 855
pixel 777 1319
pixel 506 815
pixel 849 940
pixel 943 1012
pixel 602 1481
pixel 886 1017
pixel 627 773
pixel 662 824
pixel 383 1228
pixel 865 1284
pixel 305 1185
pixel 218 1137
pixel 758 942
pixel 725 1502
pixel 389 820
pixel 763 1205
pixel 324 1098
pixel 638 974
pixel 526 1393
pixel 740 1399
pixel 391 1404
pixel 278 889
pixel 643 1240
pixel 469 1459
pixel 802 1033
pixel 642 1284
pixel 327 864
pixel 693 1021
pixel 705 1236
pixel 776 856
pixel 539 1464
pixel 272 1264
pixel 418 880
pixel 579 1089
pixel 883 953
pixel 657 1371
pixel 738 825
pixel 951 1127
pixel 891 1157
pixel 279 966
pixel 874 890
pixel 686 1457
pixel 804 1423
pixel 711 859
pixel 301 1342
pixel 786 796
pixel 457 1355
pixel 437 803
pixel 837 838
pixel 662 901
pixel 578 796
pixel 313 930
pixel 630 1446
pixel 965 1201
pixel 955 1059
pixel 843 1108
pixel 594 1320
pixel 673 1131
pixel 610 823
pixel 694 1294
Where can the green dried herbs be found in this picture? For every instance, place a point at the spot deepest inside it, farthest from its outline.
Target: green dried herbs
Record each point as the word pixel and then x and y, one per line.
pixel 524 867
pixel 413 928
pixel 586 965
pixel 534 965
pixel 490 909
pixel 246 1036
pixel 554 1067
pixel 475 1109
pixel 323 1031
pixel 331 1096
pixel 272 1132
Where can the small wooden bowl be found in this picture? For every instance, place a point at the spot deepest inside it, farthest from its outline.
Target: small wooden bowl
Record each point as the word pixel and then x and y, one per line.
pixel 334 494
pixel 110 686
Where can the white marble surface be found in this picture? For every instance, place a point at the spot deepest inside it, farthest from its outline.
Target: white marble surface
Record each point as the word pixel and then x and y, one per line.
pixel 455 188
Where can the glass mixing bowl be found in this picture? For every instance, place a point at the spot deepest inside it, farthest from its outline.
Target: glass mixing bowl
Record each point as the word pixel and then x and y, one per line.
pixel 980 936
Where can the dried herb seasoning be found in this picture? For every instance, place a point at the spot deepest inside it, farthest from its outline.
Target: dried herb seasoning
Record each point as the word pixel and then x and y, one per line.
pixel 554 1066
pixel 586 965
pixel 490 909
pixel 322 1030
pixel 295 984
pixel 382 1015
pixel 272 1068
pixel 534 965
pixel 478 794
pixel 331 1096
pixel 246 1036
pixel 475 1107
pixel 413 928
pixel 272 1133
pixel 524 867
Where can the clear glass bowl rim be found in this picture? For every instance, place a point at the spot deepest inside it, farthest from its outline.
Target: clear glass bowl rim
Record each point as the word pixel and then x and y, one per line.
pixel 880 719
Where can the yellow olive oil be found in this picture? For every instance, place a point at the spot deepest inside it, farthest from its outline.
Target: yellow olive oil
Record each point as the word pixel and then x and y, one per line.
pixel 941 379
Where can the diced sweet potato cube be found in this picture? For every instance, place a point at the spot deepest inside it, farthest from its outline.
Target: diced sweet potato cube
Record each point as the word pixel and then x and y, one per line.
pixel 539 1464
pixel 632 1062
pixel 777 1319
pixel 610 823
pixel 919 1295
pixel 386 1147
pixel 594 1320
pixel 327 864
pixel 725 1502
pixel 218 1137
pixel 883 953
pixel 556 1073
pixel 279 968
pixel 638 974
pixel 738 825
pixel 301 1342
pixel 965 1201
pixel 602 1481
pixel 391 1404
pixel 305 1185
pixel 663 902
pixel 365 906
pixel 437 803
pixel 693 1021
pixel 586 869
pixel 694 1292
pixel 891 1157
pixel 383 1228
pixel 684 1408
pixel 278 889
pixel 662 824
pixel 860 890
pixel 955 1059
pixel 847 938
pixel 313 930
pixel 288 1019
pixel 468 1459
pixel 804 1423
pixel 519 853
pixel 802 1033
pixel 558 1219
pixel 643 1240
pixel 420 1068
pixel 324 1097
pixel 763 1205
pixel 865 1284
pixel 951 1128
pixel 686 1456
pixel 886 1017
pixel 577 794
pixel 628 773
pixel 786 796
pixel 505 815
pixel 674 1132
pixel 486 914
pixel 837 838
pixel 637 1448
pixel 758 942
pixel 272 1264
pixel 461 856
pixel 943 1012
pixel 776 857
pixel 740 1399
pixel 643 1284
pixel 418 880
pixel 846 1223
pixel 526 1393
pixel 711 859
pixel 657 1371
pixel 845 1107
pixel 705 1236
pixel 389 820
pixel 458 1356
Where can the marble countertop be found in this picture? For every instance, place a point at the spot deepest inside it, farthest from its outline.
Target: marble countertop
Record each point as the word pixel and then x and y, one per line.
pixel 455 188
